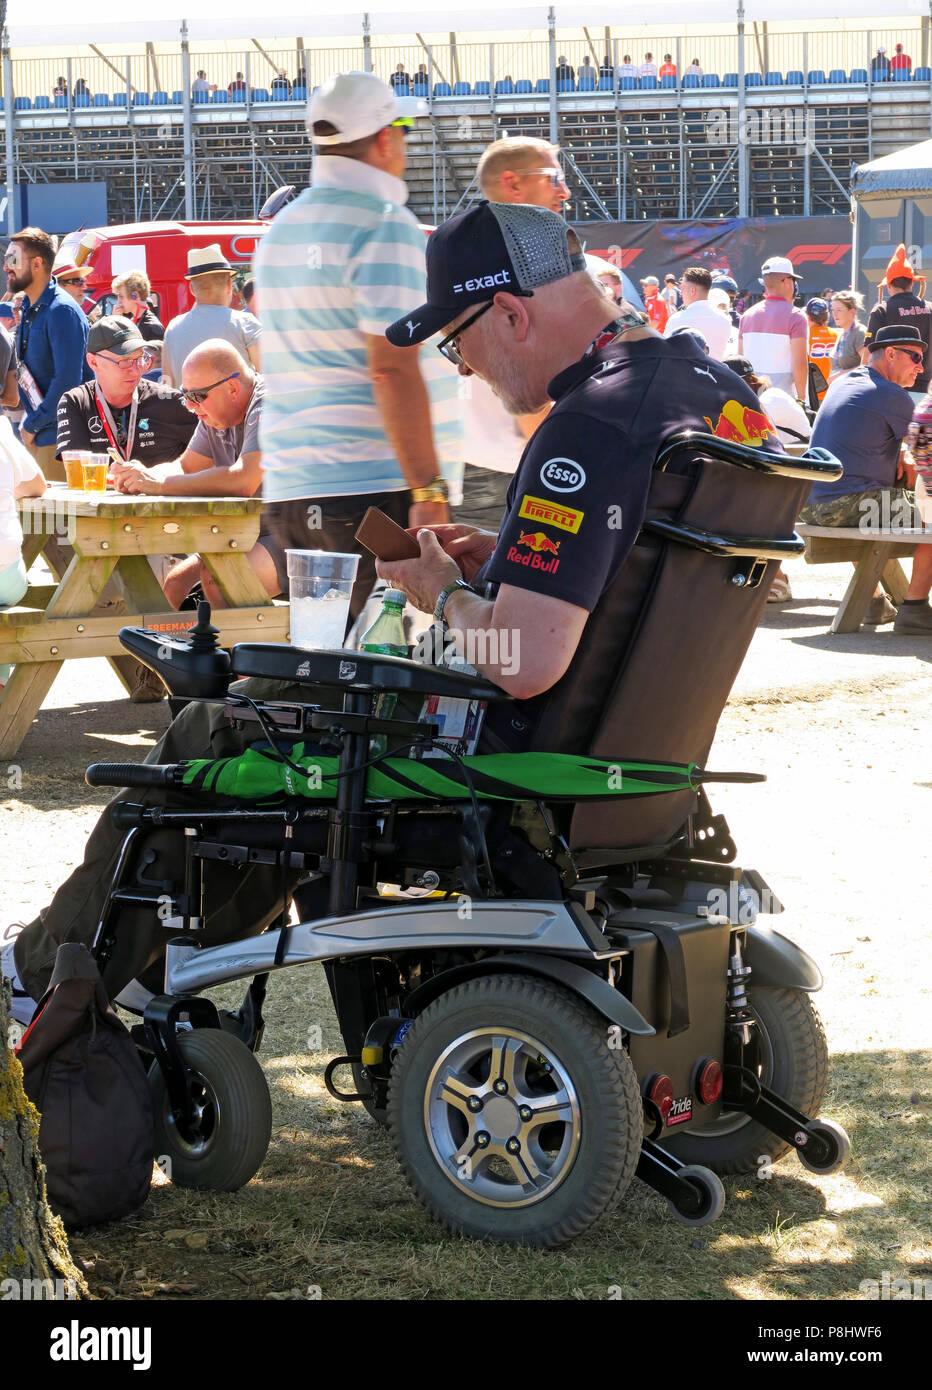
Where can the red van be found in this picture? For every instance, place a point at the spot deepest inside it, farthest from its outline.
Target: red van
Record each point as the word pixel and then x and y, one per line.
pixel 160 249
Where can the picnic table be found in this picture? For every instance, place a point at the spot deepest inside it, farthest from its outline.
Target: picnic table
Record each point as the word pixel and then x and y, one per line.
pixel 89 538
pixel 876 554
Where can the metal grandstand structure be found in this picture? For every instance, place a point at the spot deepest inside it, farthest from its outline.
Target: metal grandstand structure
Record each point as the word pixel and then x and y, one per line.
pixel 774 125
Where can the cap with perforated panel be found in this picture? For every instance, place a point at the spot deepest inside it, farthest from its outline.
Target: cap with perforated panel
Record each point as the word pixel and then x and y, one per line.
pixel 495 246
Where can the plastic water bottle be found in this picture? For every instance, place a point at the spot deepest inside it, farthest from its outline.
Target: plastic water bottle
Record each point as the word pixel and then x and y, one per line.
pixel 386 637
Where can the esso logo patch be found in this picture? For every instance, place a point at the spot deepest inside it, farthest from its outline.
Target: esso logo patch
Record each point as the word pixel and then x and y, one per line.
pixel 563 475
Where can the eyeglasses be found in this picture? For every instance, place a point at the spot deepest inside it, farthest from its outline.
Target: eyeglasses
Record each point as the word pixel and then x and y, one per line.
pixel 201 394
pixel 76 280
pixel 913 356
pixel 556 176
pixel 130 364
pixel 447 347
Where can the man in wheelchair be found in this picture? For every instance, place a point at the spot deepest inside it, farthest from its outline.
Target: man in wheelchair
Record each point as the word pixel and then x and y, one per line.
pixel 619 580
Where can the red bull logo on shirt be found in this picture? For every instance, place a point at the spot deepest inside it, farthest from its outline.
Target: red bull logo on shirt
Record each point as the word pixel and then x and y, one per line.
pixel 540 545
pixel 741 424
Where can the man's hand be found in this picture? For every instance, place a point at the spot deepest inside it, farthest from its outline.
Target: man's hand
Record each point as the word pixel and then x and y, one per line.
pixel 26 437
pixel 135 478
pixel 467 545
pixel 423 578
pixel 427 514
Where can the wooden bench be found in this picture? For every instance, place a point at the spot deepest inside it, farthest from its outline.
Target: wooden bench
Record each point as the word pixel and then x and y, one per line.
pixel 875 554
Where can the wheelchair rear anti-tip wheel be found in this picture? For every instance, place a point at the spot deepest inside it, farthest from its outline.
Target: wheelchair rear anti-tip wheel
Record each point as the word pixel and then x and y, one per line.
pixel 792 1060
pixel 223 1142
pixel 513 1117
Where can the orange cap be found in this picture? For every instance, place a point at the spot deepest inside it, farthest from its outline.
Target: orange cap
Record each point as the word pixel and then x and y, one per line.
pixel 899 267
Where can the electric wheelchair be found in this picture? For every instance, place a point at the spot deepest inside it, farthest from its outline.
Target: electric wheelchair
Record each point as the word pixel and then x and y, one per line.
pixel 583 993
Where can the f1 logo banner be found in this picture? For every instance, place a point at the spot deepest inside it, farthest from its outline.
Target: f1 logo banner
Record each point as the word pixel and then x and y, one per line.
pixel 819 247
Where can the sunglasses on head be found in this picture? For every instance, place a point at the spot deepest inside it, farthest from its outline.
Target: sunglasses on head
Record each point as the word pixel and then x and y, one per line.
pixel 200 395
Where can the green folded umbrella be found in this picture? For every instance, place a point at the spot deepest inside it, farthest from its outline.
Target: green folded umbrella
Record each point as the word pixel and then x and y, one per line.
pixel 260 775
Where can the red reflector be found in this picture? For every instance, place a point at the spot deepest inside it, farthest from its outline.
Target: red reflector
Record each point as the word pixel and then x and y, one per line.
pixel 710 1082
pixel 660 1091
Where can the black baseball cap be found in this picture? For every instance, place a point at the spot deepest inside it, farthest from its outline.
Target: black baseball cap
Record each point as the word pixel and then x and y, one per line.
pixel 494 246
pixel 119 336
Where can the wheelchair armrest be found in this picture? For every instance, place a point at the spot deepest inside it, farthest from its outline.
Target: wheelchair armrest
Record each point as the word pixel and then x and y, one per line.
pixel 360 671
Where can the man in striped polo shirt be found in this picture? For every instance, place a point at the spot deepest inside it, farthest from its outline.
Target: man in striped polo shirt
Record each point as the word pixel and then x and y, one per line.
pixel 347 417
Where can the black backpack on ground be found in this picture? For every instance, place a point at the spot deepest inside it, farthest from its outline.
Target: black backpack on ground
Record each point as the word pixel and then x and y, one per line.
pixel 82 1072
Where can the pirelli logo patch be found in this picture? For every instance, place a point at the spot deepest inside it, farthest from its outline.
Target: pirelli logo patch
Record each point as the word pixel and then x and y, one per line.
pixel 540 509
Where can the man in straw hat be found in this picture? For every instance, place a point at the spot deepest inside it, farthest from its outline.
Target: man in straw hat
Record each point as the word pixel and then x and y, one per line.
pixel 210 276
pixel 71 278
pixel 902 306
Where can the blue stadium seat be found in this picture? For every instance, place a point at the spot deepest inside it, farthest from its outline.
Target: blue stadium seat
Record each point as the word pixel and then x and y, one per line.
pixel 158 99
pixel 587 82
pixel 84 99
pixel 566 84
pixel 421 89
pixel 900 75
pixel 858 75
pixel 43 103
pixel 523 85
pixel 648 84
pixel 816 77
pixel 606 84
pixel 879 74
pixel 628 84
pixel 543 85
pixel 280 94
pixel 692 79
pixel 119 99
pixel 773 79
pixel 60 101
pixel 177 98
pixel 922 74
pixel 261 94
pixel 794 78
pixel 217 98
pixel 140 98
pixel 442 89
pixel 504 87
pixel 22 103
pixel 730 79
pixel 299 94
pixel 712 79
pixel 462 89
pixel 101 99
pixel 838 75
pixel 482 89
pixel 753 79
pixel 668 82
pixel 202 98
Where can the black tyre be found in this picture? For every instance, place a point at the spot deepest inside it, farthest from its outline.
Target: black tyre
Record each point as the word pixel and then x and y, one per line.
pixel 711 1197
pixel 225 1145
pixel 511 1114
pixel 794 1063
pixel 839 1146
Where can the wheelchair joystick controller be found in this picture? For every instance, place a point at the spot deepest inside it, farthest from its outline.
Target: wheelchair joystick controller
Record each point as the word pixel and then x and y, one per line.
pixel 203 636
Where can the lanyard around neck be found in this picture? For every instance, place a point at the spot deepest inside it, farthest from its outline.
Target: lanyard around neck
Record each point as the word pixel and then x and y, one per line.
pixel 110 429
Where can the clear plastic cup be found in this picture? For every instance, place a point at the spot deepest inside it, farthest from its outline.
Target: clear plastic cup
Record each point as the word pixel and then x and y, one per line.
pixel 95 472
pixel 74 461
pixel 320 584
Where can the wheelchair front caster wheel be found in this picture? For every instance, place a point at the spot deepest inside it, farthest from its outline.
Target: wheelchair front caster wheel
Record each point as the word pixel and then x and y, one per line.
pixel 711 1196
pixel 838 1143
pixel 221 1141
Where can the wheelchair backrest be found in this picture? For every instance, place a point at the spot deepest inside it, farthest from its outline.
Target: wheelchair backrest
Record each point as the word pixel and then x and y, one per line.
pixel 661 650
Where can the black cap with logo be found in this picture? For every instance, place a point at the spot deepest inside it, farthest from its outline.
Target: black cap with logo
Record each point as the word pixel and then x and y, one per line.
pixel 116 335
pixel 495 246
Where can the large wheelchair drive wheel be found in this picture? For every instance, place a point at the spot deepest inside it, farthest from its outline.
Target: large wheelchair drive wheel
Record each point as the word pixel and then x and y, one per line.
pixel 222 1147
pixel 793 1062
pixel 512 1116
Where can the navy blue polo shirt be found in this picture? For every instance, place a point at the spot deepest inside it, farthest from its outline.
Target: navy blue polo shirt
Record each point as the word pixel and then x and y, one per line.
pixel 578 499
pixel 862 420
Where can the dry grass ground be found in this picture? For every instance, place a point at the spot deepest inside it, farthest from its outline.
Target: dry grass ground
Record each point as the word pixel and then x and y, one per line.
pixel 841 833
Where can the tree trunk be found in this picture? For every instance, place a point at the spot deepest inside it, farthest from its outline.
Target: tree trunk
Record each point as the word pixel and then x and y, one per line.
pixel 33 1244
